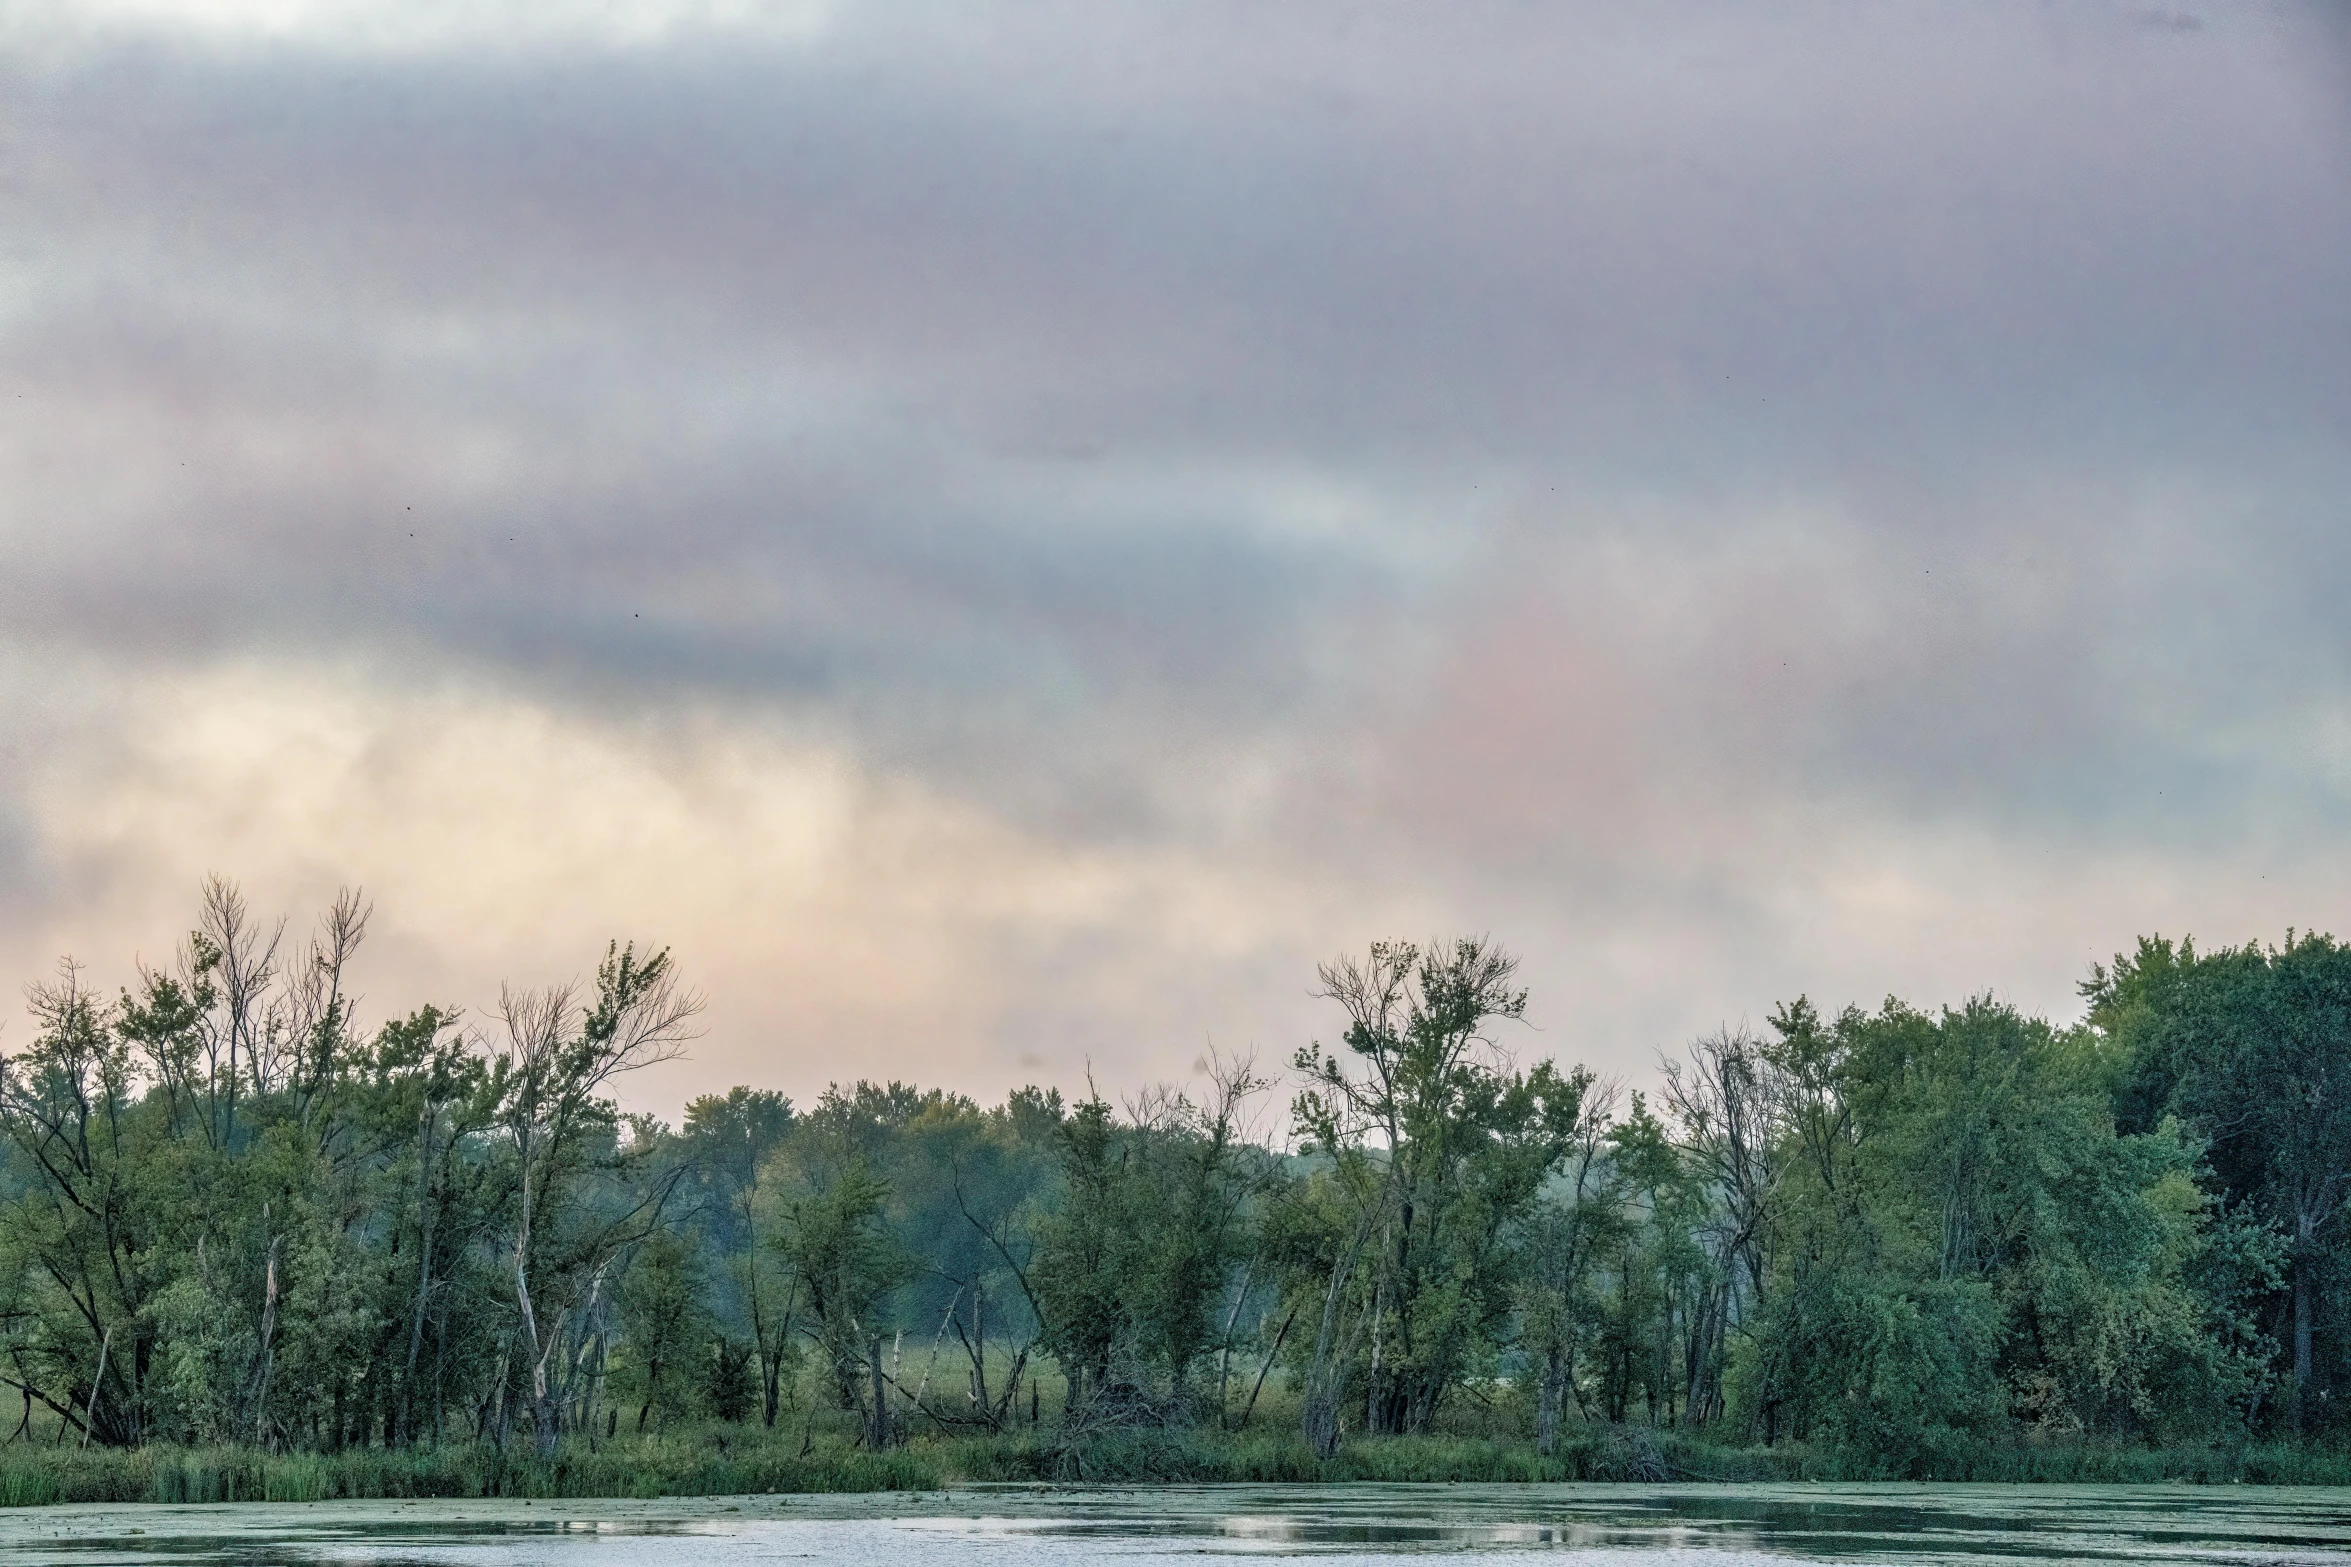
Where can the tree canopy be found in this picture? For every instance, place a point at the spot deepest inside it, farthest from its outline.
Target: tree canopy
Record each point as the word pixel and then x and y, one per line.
pixel 231 1213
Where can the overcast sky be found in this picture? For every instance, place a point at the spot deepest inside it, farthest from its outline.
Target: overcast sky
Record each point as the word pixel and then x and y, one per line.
pixel 1004 533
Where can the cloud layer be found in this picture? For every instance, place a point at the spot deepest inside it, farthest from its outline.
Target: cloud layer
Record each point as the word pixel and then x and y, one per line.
pixel 1004 534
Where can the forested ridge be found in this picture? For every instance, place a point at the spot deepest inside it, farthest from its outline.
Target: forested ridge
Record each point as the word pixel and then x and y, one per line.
pixel 234 1215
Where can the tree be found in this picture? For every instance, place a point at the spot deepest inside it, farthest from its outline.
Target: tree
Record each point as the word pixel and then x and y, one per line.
pixel 69 1106
pixel 732 1137
pixel 1963 1246
pixel 558 1058
pixel 1726 1096
pixel 663 1313
pixel 2251 1046
pixel 834 1236
pixel 231 1214
pixel 1438 1144
pixel 1151 1224
pixel 1562 1239
pixel 413 1103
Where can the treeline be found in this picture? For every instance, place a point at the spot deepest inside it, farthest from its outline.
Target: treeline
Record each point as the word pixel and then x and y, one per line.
pixel 229 1215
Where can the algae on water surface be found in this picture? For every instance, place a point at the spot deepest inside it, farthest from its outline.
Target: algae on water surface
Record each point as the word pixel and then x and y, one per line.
pixel 1044 1526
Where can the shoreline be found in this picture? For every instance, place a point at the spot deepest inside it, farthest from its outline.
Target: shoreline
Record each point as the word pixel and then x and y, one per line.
pixel 709 1463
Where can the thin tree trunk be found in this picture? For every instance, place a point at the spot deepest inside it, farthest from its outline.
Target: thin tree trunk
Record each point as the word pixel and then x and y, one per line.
pixel 1319 1409
pixel 543 1422
pixel 269 1326
pixel 424 1278
pixel 1250 1408
pixel 770 1353
pixel 924 1386
pixel 1547 1403
pixel 1224 1357
pixel 90 1418
pixel 877 1428
pixel 979 1344
pixel 2305 1313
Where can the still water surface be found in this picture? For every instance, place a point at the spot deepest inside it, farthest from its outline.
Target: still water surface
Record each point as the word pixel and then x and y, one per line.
pixel 1011 1526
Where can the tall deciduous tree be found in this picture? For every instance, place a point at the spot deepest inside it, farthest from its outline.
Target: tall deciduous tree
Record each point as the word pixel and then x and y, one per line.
pixel 1439 1144
pixel 2252 1047
pixel 559 1057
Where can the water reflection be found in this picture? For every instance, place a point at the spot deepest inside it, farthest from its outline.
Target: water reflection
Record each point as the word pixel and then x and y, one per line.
pixel 1635 1526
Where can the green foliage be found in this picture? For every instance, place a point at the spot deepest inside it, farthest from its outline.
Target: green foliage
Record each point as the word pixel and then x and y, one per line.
pixel 1153 1216
pixel 247 1249
pixel 729 1139
pixel 845 1261
pixel 1437 1147
pixel 727 1387
pixel 711 1462
pixel 2250 1049
pixel 1968 1247
pixel 664 1325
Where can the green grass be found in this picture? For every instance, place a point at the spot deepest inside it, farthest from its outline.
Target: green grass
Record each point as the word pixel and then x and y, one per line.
pixel 710 1460
pixel 647 1467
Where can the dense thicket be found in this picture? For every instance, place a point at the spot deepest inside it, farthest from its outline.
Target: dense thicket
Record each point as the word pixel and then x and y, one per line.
pixel 230 1215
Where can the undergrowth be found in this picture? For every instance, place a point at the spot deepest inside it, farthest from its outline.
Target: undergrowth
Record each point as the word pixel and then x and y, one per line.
pixel 723 1461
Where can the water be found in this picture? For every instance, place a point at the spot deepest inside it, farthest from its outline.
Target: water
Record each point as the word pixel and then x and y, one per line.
pixel 1013 1526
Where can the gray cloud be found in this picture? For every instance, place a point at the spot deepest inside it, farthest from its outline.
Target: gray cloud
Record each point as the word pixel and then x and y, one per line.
pixel 1633 478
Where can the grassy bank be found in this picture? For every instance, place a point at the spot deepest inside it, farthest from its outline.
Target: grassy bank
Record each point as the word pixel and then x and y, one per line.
pixel 718 1461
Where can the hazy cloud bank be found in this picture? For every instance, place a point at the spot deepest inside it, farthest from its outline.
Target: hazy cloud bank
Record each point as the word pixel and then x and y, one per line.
pixel 1005 535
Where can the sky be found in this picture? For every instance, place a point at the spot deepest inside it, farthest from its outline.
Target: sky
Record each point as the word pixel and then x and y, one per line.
pixel 1002 535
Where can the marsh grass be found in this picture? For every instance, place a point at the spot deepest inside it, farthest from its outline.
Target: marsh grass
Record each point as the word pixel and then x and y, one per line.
pixel 728 1460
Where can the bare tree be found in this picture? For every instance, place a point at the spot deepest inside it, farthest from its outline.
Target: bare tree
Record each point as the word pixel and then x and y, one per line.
pixel 305 1048
pixel 243 960
pixel 557 1060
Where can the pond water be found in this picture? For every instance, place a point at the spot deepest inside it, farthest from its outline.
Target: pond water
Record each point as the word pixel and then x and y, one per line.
pixel 1016 1526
